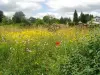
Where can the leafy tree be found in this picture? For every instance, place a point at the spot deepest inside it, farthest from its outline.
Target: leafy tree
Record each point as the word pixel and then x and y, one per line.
pixel 18 17
pixel 75 17
pixel 6 20
pixel 49 19
pixel 55 20
pixel 69 19
pixel 1 16
pixel 61 20
pixel 32 19
pixel 87 17
pixel 80 17
pixel 26 22
pixel 64 20
pixel 70 23
pixel 84 18
pixel 91 17
pixel 39 22
pixel 46 19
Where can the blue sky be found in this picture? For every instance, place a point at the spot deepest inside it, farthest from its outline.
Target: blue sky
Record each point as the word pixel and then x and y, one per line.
pixel 44 8
pixel 57 8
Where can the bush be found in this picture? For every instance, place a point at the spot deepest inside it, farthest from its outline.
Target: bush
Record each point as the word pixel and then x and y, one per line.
pixel 39 22
pixel 84 62
pixel 71 23
pixel 6 20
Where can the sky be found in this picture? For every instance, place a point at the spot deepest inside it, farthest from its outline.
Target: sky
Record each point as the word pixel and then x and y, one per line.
pixel 57 8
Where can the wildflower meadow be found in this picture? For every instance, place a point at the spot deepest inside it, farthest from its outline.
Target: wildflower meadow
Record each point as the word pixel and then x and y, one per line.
pixel 37 51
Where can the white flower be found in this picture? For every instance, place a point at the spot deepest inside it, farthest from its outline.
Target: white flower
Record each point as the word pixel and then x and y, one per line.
pixel 28 50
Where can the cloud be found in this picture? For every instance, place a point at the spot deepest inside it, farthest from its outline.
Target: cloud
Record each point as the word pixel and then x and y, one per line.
pixel 40 15
pixel 39 8
pixel 27 6
pixel 88 8
pixel 58 4
pixel 67 7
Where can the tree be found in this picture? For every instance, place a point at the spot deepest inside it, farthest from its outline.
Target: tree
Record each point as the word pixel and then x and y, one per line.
pixel 18 17
pixel 91 17
pixel 39 22
pixel 87 17
pixel 46 19
pixel 55 20
pixel 49 19
pixel 81 18
pixel 6 20
pixel 26 22
pixel 61 20
pixel 75 17
pixel 1 16
pixel 64 20
pixel 84 18
pixel 32 19
pixel 69 20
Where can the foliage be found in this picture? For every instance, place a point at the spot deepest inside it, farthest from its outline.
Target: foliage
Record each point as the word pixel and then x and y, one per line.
pixel 1 16
pixel 64 20
pixel 26 22
pixel 49 19
pixel 61 20
pixel 39 22
pixel 32 19
pixel 86 60
pixel 18 17
pixel 46 19
pixel 71 24
pixel 84 18
pixel 6 20
pixel 75 17
pixel 34 51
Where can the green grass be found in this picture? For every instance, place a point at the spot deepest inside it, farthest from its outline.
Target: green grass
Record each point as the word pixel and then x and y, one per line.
pixel 43 57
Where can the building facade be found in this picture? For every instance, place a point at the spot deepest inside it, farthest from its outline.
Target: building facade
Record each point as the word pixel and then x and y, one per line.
pixel 96 20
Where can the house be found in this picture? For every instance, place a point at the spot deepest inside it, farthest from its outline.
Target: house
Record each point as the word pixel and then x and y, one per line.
pixel 96 20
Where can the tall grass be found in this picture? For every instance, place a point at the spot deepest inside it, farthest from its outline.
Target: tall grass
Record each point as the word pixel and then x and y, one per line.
pixel 34 51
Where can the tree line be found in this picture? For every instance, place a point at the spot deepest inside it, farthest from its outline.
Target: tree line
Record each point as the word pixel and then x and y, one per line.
pixel 19 17
pixel 83 18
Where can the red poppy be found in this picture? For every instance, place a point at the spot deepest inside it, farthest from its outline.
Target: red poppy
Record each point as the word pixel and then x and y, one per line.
pixel 57 43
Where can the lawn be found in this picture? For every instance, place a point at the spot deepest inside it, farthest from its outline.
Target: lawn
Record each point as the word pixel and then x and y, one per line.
pixel 37 51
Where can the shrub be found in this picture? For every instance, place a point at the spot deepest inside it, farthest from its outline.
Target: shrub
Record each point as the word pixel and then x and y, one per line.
pixel 84 62
pixel 71 23
pixel 39 22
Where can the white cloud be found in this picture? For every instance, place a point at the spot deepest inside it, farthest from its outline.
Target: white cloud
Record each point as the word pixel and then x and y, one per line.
pixel 40 15
pixel 4 1
pixel 57 8
pixel 57 4
pixel 27 6
pixel 66 7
